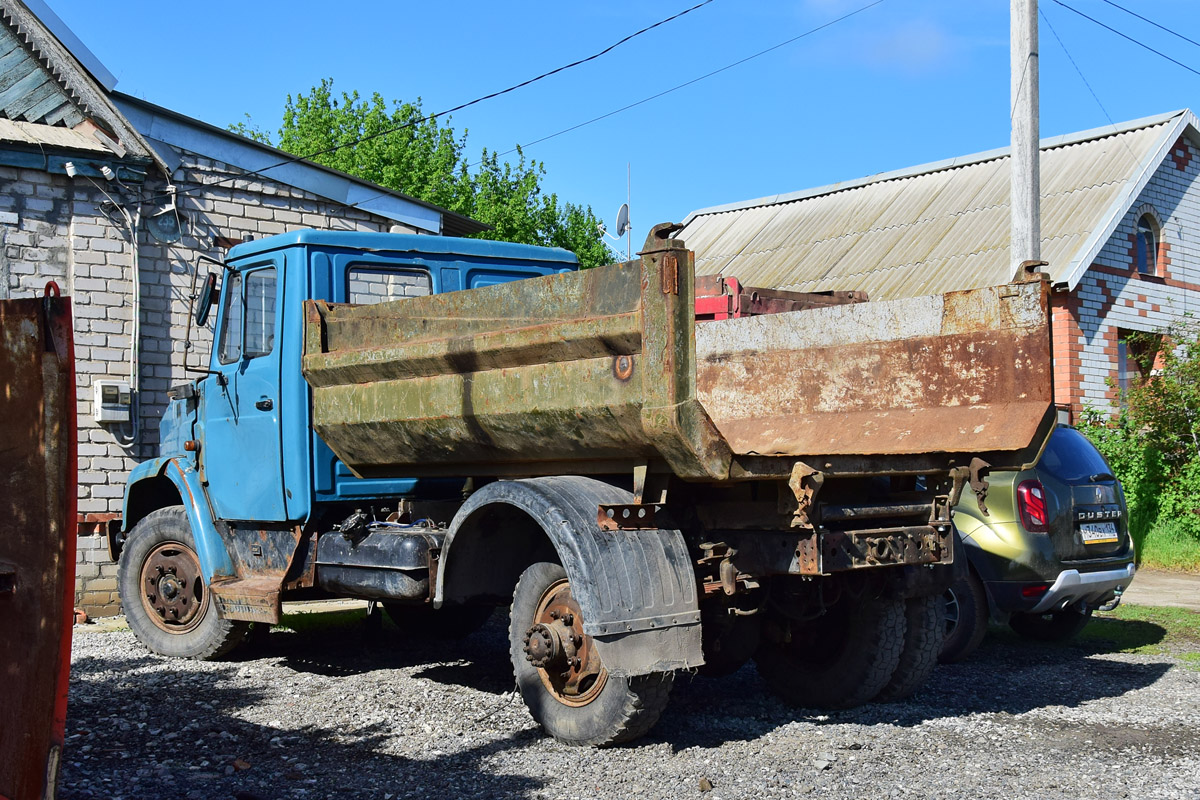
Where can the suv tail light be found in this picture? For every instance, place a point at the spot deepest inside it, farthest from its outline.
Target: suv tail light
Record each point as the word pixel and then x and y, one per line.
pixel 1031 502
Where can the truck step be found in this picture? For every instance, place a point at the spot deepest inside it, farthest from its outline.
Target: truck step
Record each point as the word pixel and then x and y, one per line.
pixel 255 599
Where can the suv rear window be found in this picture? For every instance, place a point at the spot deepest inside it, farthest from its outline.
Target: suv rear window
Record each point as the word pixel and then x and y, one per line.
pixel 1070 457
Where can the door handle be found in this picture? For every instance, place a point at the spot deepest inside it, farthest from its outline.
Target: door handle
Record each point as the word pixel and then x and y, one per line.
pixel 266 404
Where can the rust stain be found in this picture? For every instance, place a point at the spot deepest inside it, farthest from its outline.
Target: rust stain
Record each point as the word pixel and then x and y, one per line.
pixel 37 550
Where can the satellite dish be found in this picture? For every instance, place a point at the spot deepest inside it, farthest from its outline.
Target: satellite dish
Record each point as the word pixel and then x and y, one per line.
pixel 623 225
pixel 165 225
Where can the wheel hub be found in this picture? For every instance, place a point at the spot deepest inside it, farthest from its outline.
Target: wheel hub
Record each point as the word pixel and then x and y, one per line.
pixel 564 656
pixel 172 587
pixel 543 645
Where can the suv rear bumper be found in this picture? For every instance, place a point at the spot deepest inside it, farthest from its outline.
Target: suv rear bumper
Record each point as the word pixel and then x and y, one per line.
pixel 1093 588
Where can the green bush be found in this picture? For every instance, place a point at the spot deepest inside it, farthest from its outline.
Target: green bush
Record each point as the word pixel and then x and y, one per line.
pixel 1137 464
pixel 1153 446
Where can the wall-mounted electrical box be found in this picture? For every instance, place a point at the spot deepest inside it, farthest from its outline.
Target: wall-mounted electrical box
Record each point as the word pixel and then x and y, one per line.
pixel 112 401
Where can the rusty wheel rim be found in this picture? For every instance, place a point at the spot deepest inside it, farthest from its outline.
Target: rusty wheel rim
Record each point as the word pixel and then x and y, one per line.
pixel 573 675
pixel 173 591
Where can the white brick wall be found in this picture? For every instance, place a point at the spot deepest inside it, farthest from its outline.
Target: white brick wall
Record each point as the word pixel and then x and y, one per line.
pixel 61 233
pixel 1114 297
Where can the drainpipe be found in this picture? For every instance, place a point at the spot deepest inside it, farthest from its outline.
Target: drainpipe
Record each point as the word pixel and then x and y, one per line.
pixel 135 334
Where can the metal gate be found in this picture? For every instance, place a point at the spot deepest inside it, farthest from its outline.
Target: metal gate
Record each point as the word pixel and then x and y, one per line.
pixel 37 539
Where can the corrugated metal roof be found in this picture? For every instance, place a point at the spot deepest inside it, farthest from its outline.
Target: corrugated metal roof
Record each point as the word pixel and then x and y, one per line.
pixel 938 227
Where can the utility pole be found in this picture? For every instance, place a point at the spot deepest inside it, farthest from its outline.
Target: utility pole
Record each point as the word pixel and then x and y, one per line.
pixel 1026 225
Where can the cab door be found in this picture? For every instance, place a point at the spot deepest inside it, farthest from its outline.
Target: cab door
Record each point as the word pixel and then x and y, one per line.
pixel 241 452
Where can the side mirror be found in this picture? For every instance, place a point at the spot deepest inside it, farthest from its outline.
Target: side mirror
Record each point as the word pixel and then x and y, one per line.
pixel 206 298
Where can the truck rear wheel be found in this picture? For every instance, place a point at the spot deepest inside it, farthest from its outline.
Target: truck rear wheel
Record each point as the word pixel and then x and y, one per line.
pixel 923 636
pixel 841 659
pixel 165 597
pixel 559 674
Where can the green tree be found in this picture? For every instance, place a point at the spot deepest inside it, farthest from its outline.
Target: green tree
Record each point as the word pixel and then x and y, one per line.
pixel 396 145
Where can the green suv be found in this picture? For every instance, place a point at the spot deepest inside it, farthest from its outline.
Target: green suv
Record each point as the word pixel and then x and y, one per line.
pixel 1046 547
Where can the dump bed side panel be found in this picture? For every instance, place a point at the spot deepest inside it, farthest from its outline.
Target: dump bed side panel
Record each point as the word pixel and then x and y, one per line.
pixel 580 372
pixel 965 372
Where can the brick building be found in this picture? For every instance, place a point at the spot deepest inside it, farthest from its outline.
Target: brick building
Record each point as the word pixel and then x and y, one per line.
pixel 117 200
pixel 1120 230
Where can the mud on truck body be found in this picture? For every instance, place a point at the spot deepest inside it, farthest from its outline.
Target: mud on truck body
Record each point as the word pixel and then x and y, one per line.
pixel 647 493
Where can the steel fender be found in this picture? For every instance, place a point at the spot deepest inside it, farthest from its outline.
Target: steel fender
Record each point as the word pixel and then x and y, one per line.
pixel 210 547
pixel 635 588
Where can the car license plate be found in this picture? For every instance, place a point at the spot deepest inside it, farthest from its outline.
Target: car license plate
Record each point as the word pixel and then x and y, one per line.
pixel 1098 532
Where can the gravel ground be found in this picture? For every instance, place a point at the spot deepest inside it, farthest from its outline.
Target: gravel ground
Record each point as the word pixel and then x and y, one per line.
pixel 337 714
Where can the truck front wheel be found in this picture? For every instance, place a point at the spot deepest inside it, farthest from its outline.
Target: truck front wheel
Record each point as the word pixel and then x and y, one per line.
pixel 559 674
pixel 165 597
pixel 841 659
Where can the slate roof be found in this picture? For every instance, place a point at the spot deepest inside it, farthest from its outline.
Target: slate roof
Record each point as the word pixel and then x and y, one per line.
pixel 937 227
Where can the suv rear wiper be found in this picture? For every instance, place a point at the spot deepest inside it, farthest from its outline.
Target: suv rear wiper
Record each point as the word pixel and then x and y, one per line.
pixel 1102 476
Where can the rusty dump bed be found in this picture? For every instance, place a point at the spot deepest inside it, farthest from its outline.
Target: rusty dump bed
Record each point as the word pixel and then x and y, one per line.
pixel 599 370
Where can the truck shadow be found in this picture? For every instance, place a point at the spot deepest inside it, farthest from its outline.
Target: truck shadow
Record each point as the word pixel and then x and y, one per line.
pixel 1006 675
pixel 349 645
pixel 131 733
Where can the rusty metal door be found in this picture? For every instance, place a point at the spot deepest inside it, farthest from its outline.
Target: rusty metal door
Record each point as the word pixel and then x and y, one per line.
pixel 37 539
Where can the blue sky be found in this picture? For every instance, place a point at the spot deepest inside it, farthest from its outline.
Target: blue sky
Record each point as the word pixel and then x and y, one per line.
pixel 902 83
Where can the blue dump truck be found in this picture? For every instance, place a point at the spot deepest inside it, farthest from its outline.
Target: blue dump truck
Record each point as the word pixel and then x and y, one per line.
pixel 450 426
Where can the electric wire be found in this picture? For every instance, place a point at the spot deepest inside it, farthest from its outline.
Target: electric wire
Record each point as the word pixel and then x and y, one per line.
pixel 1128 37
pixel 1088 84
pixel 459 107
pixel 1149 21
pixel 1078 71
pixel 684 85
pixel 665 92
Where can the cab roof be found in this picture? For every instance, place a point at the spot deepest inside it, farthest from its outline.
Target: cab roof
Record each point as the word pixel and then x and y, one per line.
pixel 404 243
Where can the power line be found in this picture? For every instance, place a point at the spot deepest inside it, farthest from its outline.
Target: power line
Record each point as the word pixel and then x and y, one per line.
pixel 459 107
pixel 1128 38
pixel 1076 66
pixel 1086 83
pixel 696 80
pixel 665 92
pixel 1152 22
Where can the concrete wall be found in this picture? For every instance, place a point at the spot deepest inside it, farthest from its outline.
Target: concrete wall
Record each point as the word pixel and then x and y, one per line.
pixel 55 228
pixel 1114 297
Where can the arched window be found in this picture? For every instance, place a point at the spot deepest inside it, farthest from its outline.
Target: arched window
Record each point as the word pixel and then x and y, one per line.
pixel 1147 245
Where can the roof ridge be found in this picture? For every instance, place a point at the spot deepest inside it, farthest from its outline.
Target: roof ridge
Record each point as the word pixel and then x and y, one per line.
pixel 935 167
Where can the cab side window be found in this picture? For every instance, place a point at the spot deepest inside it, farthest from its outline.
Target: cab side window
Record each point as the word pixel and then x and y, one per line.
pixel 230 347
pixel 375 284
pixel 248 329
pixel 260 312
